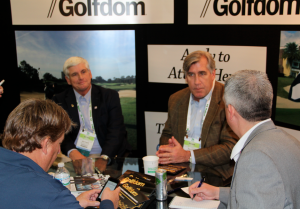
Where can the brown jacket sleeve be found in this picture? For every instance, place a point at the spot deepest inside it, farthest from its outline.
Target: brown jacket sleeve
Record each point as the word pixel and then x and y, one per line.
pixel 217 138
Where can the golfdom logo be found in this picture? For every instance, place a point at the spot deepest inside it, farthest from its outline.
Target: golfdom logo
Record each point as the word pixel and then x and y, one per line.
pixel 96 8
pixel 252 7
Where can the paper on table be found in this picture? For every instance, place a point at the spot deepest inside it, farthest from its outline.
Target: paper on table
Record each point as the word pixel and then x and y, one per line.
pixel 182 202
pixel 185 189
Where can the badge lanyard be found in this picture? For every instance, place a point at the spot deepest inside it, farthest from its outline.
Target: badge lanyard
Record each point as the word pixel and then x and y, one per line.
pixel 189 142
pixel 90 116
pixel 188 122
pixel 86 139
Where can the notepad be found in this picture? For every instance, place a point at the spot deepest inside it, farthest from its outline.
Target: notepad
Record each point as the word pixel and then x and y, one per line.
pixel 182 202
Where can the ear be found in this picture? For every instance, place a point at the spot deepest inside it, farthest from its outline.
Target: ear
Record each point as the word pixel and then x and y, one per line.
pixel 231 111
pixel 68 80
pixel 186 76
pixel 45 145
pixel 213 74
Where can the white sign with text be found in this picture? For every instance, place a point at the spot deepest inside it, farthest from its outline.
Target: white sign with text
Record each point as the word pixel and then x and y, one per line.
pixel 244 12
pixel 89 12
pixel 154 122
pixel 165 61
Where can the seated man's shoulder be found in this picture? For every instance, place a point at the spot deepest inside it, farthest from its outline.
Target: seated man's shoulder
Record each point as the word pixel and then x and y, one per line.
pixel 103 89
pixel 219 88
pixel 106 93
pixel 181 93
pixel 43 181
pixel 278 138
pixel 220 85
pixel 27 184
pixel 275 143
pixel 63 94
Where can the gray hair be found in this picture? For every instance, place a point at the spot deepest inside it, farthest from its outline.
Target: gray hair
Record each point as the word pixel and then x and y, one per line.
pixel 73 61
pixel 195 57
pixel 250 93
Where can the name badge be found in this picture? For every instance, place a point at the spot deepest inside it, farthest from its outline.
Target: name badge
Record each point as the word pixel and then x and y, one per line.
pixel 191 144
pixel 85 142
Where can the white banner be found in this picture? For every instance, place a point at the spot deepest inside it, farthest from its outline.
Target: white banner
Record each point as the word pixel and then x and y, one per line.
pixel 155 122
pixel 165 61
pixel 244 12
pixel 87 12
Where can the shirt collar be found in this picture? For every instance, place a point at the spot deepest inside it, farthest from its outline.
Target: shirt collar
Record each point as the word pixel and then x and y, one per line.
pixel 207 96
pixel 236 151
pixel 87 96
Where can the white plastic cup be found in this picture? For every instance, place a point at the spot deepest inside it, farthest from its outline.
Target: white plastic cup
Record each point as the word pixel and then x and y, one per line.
pixel 150 164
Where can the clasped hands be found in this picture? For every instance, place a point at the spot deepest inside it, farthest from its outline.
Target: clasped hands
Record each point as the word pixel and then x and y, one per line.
pixel 172 153
pixel 83 165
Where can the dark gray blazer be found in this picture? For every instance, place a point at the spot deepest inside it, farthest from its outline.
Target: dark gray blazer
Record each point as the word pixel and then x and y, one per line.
pixel 107 118
pixel 267 174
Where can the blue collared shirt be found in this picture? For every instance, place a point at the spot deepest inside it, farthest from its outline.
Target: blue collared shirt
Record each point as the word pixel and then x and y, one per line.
pixel 84 102
pixel 197 113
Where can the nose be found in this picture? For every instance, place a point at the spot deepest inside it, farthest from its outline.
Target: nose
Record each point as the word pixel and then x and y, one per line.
pixel 80 76
pixel 197 79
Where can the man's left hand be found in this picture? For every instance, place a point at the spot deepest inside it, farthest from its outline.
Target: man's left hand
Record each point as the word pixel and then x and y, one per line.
pixel 101 164
pixel 88 198
pixel 1 91
pixel 172 153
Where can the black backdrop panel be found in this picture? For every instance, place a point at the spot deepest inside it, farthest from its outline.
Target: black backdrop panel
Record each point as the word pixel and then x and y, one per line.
pixel 150 96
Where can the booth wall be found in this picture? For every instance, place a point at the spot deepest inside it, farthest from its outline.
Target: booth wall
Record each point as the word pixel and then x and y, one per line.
pixel 150 96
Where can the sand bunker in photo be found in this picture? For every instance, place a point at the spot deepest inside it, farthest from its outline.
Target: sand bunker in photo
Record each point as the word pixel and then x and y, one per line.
pixel 127 93
pixel 286 103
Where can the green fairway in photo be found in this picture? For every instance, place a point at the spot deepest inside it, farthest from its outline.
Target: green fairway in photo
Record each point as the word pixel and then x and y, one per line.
pixel 289 116
pixel 283 82
pixel 129 112
pixel 117 86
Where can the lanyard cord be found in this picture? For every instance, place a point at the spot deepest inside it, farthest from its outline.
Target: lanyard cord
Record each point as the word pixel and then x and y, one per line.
pixel 90 116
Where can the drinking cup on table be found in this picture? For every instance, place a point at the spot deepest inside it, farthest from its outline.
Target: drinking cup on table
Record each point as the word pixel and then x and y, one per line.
pixel 150 164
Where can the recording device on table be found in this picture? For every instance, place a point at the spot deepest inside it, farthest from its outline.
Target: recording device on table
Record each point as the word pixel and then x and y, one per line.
pixel 111 183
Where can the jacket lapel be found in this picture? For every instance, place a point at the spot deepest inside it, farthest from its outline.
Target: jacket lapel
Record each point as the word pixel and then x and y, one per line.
pixel 72 106
pixel 212 111
pixel 261 128
pixel 95 97
pixel 183 111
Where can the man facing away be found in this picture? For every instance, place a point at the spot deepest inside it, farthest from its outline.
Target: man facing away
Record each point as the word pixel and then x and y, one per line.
pixel 100 130
pixel 196 129
pixel 267 159
pixel 32 136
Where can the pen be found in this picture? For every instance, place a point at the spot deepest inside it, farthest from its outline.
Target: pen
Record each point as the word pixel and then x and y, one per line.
pixel 97 170
pixel 2 82
pixel 202 180
pixel 174 190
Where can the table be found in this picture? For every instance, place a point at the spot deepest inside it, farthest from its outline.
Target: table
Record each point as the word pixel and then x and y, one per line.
pixel 217 176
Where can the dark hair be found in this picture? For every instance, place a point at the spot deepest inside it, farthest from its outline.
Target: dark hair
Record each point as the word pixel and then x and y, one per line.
pixel 31 122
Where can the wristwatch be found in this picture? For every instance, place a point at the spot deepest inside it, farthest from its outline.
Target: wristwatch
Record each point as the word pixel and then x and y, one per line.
pixel 105 157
